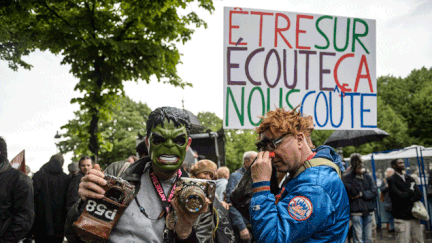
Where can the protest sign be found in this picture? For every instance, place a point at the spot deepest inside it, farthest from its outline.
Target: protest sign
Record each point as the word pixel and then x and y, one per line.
pixel 325 63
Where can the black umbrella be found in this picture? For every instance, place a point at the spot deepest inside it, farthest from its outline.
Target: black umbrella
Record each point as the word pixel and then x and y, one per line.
pixel 343 138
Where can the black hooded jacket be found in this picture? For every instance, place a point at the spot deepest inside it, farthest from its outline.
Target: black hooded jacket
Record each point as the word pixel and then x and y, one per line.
pixel 16 203
pixel 50 184
pixel 354 185
pixel 72 190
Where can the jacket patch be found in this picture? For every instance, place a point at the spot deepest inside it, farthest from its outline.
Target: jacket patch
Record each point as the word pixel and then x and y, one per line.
pixel 256 207
pixel 300 208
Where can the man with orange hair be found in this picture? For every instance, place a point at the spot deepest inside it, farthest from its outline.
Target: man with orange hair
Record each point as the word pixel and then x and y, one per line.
pixel 313 205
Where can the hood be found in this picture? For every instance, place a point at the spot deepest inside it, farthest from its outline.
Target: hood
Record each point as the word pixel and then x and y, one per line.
pixel 54 166
pixel 329 153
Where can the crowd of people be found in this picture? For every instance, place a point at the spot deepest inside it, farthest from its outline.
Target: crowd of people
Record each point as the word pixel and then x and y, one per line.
pixel 399 192
pixel 314 200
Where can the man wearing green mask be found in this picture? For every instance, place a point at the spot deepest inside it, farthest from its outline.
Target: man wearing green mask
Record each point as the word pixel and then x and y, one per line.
pixel 154 177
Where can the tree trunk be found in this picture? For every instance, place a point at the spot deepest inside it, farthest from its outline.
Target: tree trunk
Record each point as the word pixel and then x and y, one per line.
pixel 93 129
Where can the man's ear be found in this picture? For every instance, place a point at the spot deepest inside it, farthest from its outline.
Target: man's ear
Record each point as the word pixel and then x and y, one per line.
pixel 300 137
pixel 189 143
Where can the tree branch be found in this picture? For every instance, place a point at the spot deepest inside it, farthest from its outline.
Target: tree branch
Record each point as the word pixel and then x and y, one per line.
pixel 64 20
pixel 92 21
pixel 127 26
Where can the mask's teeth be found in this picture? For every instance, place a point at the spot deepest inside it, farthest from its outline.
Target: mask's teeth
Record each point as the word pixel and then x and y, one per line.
pixel 168 159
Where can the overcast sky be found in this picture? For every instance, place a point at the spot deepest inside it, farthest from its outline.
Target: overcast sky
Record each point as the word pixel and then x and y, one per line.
pixel 35 104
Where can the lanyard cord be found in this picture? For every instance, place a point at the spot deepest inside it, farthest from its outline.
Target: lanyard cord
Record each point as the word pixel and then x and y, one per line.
pixel 166 203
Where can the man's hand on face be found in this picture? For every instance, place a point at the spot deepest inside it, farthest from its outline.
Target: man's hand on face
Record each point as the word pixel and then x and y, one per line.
pixel 91 184
pixel 262 168
pixel 183 227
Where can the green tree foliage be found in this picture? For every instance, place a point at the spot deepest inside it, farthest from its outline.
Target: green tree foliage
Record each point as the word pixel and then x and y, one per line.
pixel 237 142
pixel 404 105
pixel 210 120
pixel 320 136
pixel 391 122
pixel 119 131
pixel 106 42
pixel 410 98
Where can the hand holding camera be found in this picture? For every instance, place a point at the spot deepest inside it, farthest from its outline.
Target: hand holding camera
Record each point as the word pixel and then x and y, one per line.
pixel 100 214
pixel 92 183
pixel 191 199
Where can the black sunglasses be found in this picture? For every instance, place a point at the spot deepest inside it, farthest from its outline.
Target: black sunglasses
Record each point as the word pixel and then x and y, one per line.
pixel 270 145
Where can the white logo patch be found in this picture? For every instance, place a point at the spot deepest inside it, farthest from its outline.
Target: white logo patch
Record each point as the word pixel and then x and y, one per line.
pixel 256 207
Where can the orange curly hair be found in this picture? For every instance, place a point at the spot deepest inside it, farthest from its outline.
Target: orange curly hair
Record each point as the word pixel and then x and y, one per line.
pixel 285 122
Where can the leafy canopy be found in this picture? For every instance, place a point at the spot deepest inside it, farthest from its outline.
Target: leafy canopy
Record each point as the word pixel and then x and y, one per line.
pixel 119 132
pixel 106 42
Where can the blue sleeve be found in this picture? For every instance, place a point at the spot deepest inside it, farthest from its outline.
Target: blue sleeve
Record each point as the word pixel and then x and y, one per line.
pixel 305 210
pixel 236 217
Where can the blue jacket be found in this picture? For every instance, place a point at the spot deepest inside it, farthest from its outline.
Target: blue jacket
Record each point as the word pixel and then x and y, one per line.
pixel 313 207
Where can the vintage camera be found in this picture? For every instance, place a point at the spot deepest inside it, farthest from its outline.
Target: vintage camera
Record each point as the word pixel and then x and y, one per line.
pixel 193 193
pixel 100 215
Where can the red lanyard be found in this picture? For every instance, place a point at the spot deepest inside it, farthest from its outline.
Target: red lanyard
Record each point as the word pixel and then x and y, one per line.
pixel 166 202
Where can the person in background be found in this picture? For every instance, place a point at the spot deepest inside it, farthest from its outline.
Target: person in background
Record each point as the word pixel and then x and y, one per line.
pixel 403 192
pixel 186 168
pixel 141 149
pixel 206 170
pixel 385 198
pixel 73 169
pixel 28 171
pixel 74 181
pixel 16 200
pixel 241 225
pixel 362 192
pixel 50 185
pixel 85 164
pixel 190 159
pixel 222 175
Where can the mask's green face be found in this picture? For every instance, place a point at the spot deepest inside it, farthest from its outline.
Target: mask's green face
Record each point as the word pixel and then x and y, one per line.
pixel 168 146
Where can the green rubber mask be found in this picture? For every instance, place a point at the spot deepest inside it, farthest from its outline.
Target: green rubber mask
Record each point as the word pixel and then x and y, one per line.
pixel 168 145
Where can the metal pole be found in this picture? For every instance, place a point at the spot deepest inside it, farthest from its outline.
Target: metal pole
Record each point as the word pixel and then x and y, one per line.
pixel 215 136
pixel 377 201
pixel 373 168
pixel 424 184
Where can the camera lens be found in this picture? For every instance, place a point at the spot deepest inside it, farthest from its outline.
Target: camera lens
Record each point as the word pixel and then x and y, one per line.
pixel 192 198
